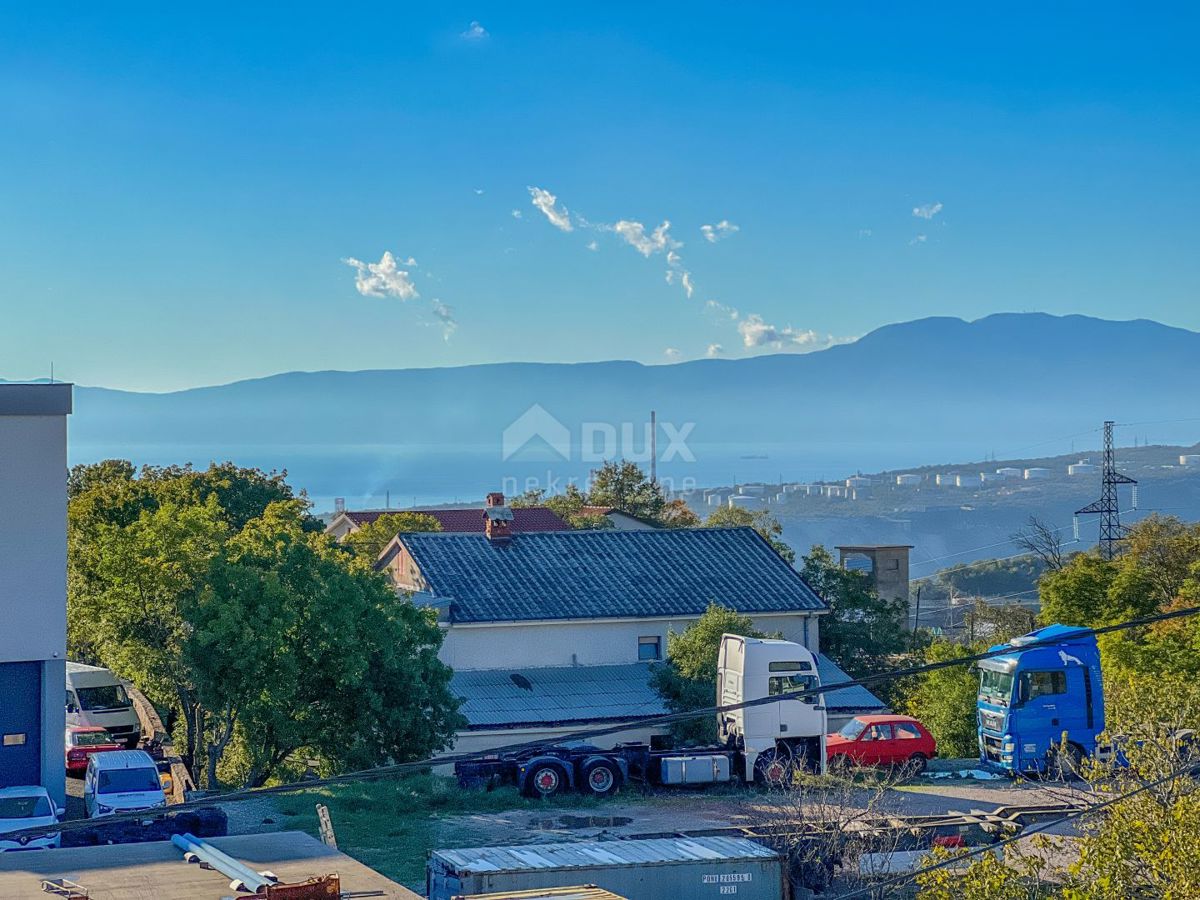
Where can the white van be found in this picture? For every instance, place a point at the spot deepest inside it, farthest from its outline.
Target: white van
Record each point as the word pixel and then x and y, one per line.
pixel 96 697
pixel 121 781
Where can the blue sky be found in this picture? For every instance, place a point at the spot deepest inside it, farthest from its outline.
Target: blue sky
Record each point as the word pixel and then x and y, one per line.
pixel 181 192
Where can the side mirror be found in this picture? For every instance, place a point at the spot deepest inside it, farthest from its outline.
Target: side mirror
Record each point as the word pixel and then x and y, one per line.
pixel 59 811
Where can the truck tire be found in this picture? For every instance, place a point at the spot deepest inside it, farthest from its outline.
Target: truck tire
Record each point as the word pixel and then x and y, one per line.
pixel 601 777
pixel 774 768
pixel 546 779
pixel 1064 763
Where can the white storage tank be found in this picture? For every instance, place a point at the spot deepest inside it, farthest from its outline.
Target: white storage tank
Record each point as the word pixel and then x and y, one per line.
pixel 746 502
pixel 1082 468
pixel 908 480
pixel 1189 459
pixel 964 481
pixel 949 480
pixel 858 481
pixel 1008 472
pixel 1036 473
pixel 990 477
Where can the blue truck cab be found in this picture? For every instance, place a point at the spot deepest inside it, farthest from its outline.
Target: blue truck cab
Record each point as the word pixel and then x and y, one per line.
pixel 1031 696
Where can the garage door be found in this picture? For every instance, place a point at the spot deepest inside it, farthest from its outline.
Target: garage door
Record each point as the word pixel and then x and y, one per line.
pixel 20 723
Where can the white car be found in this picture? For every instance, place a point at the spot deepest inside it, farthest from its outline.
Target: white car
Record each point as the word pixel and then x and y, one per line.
pixel 121 781
pixel 28 806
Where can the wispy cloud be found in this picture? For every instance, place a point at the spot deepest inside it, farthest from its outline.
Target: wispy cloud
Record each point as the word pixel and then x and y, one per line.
pixel 384 278
pixel 475 32
pixel 919 239
pixel 548 204
pixel 592 245
pixel 714 350
pixel 714 233
pixel 479 192
pixel 927 211
pixel 444 313
pixel 658 240
pixel 673 354
pixel 721 309
pixel 864 232
pixel 516 214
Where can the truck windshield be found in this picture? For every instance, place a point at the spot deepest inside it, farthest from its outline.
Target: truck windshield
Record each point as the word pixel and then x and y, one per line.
pixel 103 697
pixel 995 687
pixel 118 781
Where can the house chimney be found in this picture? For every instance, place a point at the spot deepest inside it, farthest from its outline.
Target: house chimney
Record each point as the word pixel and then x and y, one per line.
pixel 497 519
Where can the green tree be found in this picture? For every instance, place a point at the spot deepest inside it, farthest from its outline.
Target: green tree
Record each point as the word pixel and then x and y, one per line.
pixel 760 520
pixel 944 700
pixel 294 647
pixel 863 632
pixel 369 540
pixel 1078 593
pixel 624 486
pixel 687 679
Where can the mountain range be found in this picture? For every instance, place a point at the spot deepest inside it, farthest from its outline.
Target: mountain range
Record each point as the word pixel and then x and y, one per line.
pixel 919 391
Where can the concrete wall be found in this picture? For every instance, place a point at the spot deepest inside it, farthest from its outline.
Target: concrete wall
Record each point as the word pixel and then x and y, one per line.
pixel 33 553
pixel 586 643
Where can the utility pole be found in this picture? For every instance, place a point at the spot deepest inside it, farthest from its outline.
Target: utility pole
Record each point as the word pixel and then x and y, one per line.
pixel 1111 529
pixel 653 448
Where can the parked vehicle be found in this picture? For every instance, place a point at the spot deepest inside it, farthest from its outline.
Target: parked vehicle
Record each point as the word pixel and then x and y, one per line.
pixel 97 698
pixel 758 744
pixel 884 740
pixel 28 806
pixel 1041 708
pixel 81 742
pixel 121 781
pixel 653 869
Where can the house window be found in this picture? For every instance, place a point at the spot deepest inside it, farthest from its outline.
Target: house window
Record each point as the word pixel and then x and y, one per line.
pixel 650 647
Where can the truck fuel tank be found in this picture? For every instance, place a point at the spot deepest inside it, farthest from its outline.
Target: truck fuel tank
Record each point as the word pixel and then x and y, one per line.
pixel 699 769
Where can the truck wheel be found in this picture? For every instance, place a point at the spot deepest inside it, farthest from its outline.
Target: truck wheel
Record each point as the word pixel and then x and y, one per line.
pixel 546 780
pixel 1064 763
pixel 774 767
pixel 602 778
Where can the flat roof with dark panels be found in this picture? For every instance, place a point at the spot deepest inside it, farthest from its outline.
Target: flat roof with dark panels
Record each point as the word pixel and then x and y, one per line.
pixel 124 871
pixel 35 399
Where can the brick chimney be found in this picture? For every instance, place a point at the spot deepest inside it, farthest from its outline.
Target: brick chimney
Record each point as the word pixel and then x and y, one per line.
pixel 497 519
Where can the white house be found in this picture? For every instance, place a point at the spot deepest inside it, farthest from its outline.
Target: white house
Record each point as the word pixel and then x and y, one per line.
pixel 33 584
pixel 548 630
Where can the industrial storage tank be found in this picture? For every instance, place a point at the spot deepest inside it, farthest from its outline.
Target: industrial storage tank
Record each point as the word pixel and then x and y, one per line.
pixel 696 868
pixel 1009 472
pixel 1189 459
pixel 1082 468
pixel 908 480
pixel 1036 473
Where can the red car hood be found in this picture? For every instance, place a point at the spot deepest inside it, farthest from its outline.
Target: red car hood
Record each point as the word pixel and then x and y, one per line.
pixel 835 741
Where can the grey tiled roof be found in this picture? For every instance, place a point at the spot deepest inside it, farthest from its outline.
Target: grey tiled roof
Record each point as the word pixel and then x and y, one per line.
pixel 857 698
pixel 607 574
pixel 561 694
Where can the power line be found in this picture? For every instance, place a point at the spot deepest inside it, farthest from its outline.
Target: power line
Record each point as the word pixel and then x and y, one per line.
pixel 388 771
pixel 1025 833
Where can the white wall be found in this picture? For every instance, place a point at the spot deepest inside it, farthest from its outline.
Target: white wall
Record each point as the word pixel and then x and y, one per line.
pixel 584 643
pixel 33 537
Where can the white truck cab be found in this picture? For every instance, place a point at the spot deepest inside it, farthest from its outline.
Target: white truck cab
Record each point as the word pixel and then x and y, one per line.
pixel 788 733
pixel 96 697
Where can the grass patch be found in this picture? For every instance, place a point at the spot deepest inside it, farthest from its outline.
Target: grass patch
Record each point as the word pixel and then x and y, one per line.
pixel 391 823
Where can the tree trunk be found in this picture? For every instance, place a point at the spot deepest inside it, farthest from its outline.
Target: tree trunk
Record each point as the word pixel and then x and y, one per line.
pixel 217 750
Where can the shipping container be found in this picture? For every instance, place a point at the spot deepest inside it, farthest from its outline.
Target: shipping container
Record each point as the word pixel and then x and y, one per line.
pixel 575 892
pixel 659 869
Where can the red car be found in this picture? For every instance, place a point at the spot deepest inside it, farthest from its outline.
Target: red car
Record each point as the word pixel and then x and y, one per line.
pixel 882 741
pixel 82 742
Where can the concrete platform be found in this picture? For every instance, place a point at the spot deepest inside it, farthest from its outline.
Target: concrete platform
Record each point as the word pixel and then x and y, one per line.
pixel 156 870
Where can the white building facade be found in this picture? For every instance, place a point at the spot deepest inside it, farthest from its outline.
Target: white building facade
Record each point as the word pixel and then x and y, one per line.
pixel 33 584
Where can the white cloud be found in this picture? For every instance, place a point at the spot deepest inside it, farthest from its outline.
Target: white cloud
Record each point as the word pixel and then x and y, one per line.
pixel 445 316
pixel 723 229
pixel 686 281
pixel 672 354
pixel 864 232
pixel 757 333
pixel 927 211
pixel 548 204
pixel 479 192
pixel 592 245
pixel 516 214
pixel 384 278
pixel 714 350
pixel 634 234
pixel 919 239
pixel 721 309
pixel 474 32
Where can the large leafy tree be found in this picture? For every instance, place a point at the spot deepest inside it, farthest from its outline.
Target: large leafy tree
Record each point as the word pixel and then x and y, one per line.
pixel 944 700
pixel 369 540
pixel 863 632
pixel 624 486
pixel 687 679
pixel 293 648
pixel 760 520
